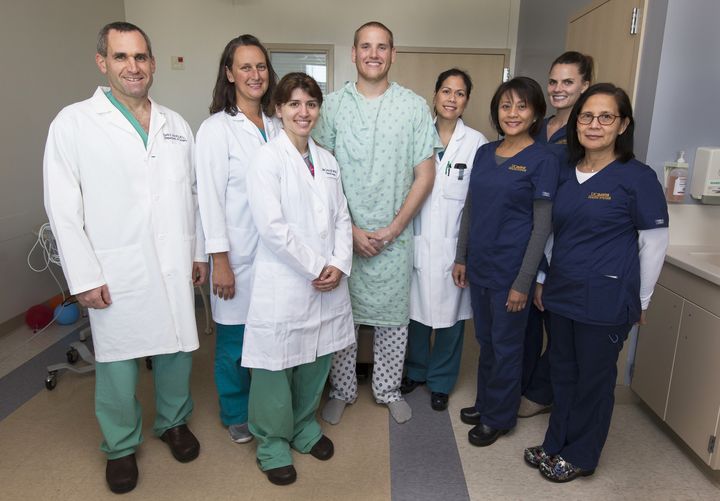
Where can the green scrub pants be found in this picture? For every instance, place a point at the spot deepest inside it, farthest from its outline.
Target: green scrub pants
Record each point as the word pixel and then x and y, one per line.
pixel 282 410
pixel 118 410
pixel 231 379
pixel 439 366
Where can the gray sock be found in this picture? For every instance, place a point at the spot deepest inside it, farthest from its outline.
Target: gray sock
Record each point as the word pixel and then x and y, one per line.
pixel 400 411
pixel 333 410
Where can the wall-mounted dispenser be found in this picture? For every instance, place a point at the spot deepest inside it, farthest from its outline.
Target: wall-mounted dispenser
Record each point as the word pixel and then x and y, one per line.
pixel 705 184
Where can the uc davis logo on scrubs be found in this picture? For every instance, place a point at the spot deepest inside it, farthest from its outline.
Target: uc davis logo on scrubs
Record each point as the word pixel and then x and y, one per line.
pixel 518 168
pixel 599 196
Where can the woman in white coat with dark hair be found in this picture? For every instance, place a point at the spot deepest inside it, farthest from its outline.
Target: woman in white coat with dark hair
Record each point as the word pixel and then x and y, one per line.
pixel 300 304
pixel 226 142
pixel 435 301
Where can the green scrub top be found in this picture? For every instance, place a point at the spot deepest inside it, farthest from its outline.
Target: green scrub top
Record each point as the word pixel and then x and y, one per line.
pixel 377 143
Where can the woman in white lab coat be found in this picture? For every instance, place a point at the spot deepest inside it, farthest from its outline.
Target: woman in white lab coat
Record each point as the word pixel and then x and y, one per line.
pixel 300 305
pixel 435 301
pixel 226 142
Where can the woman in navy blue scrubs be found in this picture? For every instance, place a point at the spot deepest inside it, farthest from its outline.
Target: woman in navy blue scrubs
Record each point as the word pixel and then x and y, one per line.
pixel 506 221
pixel 610 234
pixel 570 76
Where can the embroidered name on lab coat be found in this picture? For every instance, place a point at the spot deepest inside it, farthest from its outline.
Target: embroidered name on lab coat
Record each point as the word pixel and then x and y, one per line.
pixel 518 168
pixel 599 196
pixel 168 136
pixel 330 172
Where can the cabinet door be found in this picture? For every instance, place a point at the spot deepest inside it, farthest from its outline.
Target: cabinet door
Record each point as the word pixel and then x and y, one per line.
pixel 694 399
pixel 656 349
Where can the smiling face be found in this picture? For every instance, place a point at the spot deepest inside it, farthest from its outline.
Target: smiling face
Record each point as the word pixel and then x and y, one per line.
pixel 597 138
pixel 128 65
pixel 565 84
pixel 249 73
pixel 515 116
pixel 450 100
pixel 299 114
pixel 373 54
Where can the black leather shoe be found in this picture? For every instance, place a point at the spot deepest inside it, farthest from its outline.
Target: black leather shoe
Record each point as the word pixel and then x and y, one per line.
pixel 483 435
pixel 283 475
pixel 183 444
pixel 407 385
pixel 323 449
pixel 438 401
pixel 470 415
pixel 121 474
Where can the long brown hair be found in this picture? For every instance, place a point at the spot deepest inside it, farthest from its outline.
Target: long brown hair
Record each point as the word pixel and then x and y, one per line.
pixel 223 98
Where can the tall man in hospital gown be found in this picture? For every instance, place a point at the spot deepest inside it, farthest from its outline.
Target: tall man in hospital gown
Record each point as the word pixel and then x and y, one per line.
pixel 383 138
pixel 119 192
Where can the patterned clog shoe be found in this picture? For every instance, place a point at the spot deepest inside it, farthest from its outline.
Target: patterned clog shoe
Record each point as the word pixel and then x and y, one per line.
pixel 536 455
pixel 561 471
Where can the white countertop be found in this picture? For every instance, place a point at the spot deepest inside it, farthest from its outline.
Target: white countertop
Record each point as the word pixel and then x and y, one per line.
pixel 700 260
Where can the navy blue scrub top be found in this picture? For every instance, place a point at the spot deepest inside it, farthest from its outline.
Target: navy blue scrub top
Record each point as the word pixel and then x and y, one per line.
pixel 557 143
pixel 501 216
pixel 594 274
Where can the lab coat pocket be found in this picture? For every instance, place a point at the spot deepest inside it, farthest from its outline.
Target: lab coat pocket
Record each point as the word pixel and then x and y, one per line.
pixel 455 188
pixel 124 269
pixel 292 294
pixel 604 299
pixel 449 250
pixel 420 251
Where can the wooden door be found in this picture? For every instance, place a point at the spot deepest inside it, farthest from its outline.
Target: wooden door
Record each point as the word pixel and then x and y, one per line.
pixel 603 30
pixel 418 69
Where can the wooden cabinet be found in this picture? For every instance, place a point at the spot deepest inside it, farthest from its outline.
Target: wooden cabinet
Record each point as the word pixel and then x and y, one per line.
pixel 677 368
pixel 656 349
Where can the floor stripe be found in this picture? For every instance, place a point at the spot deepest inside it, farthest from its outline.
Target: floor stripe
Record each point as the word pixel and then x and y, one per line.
pixel 424 459
pixel 28 380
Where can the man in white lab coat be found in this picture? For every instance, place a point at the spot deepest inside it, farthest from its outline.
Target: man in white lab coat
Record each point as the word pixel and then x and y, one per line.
pixel 119 193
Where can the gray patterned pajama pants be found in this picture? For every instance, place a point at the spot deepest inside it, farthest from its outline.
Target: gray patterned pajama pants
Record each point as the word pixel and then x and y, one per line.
pixel 388 358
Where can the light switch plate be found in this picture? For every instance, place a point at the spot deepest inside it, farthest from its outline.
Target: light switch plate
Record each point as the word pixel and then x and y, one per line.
pixel 177 63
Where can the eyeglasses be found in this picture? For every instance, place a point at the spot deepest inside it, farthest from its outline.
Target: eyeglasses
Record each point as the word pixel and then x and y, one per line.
pixel 603 119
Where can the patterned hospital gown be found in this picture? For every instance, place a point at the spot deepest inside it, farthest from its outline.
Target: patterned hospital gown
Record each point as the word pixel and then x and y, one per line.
pixel 377 143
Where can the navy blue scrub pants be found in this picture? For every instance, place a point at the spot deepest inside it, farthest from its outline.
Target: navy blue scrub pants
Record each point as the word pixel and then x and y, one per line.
pixel 536 384
pixel 583 365
pixel 439 366
pixel 500 335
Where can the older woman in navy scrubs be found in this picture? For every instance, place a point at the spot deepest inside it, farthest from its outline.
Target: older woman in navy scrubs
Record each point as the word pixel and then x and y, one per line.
pixel 570 76
pixel 610 235
pixel 505 224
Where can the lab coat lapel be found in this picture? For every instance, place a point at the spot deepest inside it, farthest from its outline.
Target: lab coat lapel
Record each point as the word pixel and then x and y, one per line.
pixel 453 147
pixel 247 127
pixel 157 122
pixel 102 105
pixel 298 164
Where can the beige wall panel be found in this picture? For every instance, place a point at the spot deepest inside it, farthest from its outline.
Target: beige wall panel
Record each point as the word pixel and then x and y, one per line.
pixel 419 70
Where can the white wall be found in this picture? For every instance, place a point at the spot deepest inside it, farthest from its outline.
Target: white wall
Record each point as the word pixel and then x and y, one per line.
pixel 47 61
pixel 198 30
pixel 687 107
pixel 542 30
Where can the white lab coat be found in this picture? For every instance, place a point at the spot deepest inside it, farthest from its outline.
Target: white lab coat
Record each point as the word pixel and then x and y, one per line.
pixel 126 217
pixel 224 146
pixel 435 300
pixel 304 225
